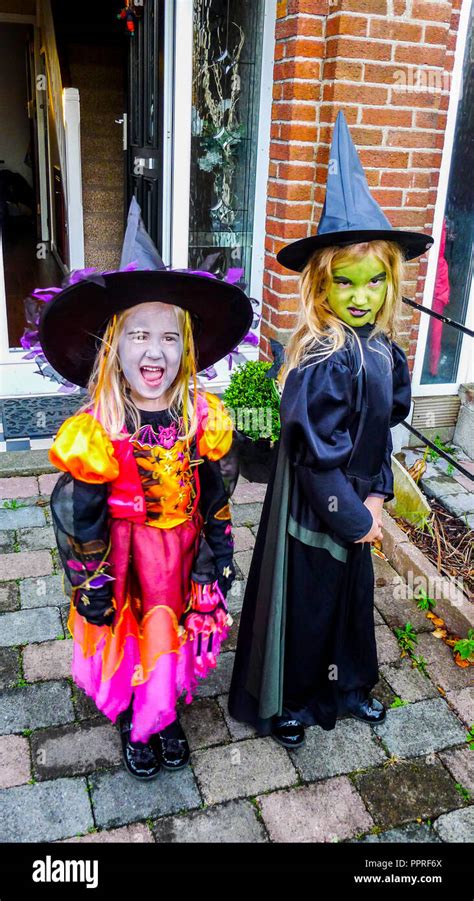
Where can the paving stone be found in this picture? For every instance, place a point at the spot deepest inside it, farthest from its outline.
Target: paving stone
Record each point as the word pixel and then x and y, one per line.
pixel 48 660
pixel 398 608
pixel 16 488
pixel 27 517
pixel 203 723
pixel 249 492
pixel 413 832
pixel 9 597
pixel 43 592
pixel 9 667
pixel 407 682
pixel 458 504
pixel 45 812
pixel 378 618
pixel 23 626
pixel 25 564
pixel 235 597
pixel 387 646
pixel 440 486
pixel 323 812
pixel 118 798
pixel 457 826
pixel 407 791
pixel 218 680
pixel 15 765
pixel 84 707
pixel 36 539
pixel 44 704
pixel 244 540
pixel 349 747
pixel 230 643
pixel 28 463
pixel 246 768
pixel 137 832
pixel 235 821
pixel 236 729
pixel 420 728
pixel 243 561
pixel 7 540
pixel 460 764
pixel 47 482
pixel 74 750
pixel 463 703
pixel 441 666
pixel 242 514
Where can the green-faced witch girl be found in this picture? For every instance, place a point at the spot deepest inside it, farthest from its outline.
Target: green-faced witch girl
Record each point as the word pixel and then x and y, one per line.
pixel 306 651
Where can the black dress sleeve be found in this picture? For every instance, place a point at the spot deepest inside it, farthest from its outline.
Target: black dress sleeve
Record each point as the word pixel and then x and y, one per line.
pixel 215 509
pixel 80 521
pixel 383 484
pixel 317 410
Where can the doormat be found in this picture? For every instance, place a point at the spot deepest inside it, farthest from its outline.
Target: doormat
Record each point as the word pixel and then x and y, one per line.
pixel 37 417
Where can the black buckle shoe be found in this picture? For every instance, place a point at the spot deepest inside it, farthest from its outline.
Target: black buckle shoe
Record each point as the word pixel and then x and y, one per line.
pixel 139 757
pixel 369 711
pixel 172 746
pixel 288 732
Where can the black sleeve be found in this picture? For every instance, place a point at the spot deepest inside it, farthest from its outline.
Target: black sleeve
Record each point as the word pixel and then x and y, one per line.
pixel 80 521
pixel 215 509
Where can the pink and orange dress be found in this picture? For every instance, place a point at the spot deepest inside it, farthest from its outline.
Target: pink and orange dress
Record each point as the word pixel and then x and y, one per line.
pixel 151 516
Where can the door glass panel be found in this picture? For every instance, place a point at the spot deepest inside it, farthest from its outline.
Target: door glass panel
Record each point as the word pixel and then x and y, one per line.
pixel 455 264
pixel 227 56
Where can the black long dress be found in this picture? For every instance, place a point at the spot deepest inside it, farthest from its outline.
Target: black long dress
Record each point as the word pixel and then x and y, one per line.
pixel 307 639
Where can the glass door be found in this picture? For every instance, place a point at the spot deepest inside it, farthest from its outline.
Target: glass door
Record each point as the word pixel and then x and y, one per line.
pixel 444 353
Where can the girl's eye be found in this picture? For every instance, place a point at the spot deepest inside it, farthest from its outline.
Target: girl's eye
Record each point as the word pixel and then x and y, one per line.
pixel 376 283
pixel 139 337
pixel 171 338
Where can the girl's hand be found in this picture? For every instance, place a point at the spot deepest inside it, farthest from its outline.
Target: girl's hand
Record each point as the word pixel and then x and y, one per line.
pixel 375 533
pixel 375 505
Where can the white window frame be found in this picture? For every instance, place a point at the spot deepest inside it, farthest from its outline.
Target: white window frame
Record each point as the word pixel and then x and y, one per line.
pixel 465 367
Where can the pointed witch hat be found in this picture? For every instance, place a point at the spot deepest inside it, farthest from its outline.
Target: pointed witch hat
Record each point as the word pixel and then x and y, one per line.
pixel 350 214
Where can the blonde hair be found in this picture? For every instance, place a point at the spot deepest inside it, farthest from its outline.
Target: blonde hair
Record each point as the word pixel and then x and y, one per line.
pixel 319 332
pixel 107 387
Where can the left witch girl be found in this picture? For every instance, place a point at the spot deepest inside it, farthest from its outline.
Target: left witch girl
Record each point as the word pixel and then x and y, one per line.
pixel 141 512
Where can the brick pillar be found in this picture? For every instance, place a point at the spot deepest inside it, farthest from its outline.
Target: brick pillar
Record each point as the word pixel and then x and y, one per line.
pixel 367 57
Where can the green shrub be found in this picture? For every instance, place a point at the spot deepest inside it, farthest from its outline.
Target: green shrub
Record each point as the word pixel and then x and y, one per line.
pixel 253 401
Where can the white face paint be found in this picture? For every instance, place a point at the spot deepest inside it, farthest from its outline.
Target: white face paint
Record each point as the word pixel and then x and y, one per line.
pixel 150 349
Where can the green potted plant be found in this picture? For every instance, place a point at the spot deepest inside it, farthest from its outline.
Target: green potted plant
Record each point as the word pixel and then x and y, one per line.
pixel 253 401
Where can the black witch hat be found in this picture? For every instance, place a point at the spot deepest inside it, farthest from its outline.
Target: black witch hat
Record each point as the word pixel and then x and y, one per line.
pixel 350 214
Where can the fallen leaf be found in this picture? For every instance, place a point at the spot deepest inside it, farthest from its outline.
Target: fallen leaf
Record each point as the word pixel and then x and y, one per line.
pixel 441 691
pixel 439 633
pixel 460 662
pixel 437 621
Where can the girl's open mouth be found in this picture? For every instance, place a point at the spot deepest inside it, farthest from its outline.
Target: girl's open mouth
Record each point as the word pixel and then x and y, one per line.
pixel 354 311
pixel 152 375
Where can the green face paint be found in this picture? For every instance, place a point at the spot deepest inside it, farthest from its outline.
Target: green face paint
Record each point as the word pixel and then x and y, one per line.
pixel 357 289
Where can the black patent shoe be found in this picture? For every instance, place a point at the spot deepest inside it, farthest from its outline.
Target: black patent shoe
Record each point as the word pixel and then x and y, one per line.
pixel 140 758
pixel 288 732
pixel 369 711
pixel 172 746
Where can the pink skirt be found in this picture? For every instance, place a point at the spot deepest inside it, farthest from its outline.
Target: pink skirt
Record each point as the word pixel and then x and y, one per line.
pixel 167 630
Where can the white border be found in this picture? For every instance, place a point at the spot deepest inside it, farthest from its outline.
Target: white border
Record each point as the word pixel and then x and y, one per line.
pixel 168 111
pixel 419 390
pixel 181 163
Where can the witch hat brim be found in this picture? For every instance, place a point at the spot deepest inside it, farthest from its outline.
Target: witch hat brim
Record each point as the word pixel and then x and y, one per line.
pixel 350 214
pixel 73 323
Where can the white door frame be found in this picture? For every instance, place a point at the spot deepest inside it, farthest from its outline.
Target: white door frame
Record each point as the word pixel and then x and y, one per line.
pixel 430 390
pixel 179 157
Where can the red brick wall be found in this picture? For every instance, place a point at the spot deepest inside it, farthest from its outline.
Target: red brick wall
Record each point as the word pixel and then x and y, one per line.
pixel 355 55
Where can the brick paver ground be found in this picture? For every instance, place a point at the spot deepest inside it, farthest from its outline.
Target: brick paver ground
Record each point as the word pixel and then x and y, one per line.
pixel 61 775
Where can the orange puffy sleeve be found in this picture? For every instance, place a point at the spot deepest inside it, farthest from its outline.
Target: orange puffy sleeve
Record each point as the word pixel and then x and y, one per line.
pixel 217 425
pixel 83 448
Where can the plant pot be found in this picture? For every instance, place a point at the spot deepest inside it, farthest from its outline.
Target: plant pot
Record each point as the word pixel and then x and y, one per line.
pixel 255 458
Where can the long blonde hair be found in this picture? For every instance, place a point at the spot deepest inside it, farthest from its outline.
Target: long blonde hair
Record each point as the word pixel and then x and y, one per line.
pixel 107 387
pixel 319 332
